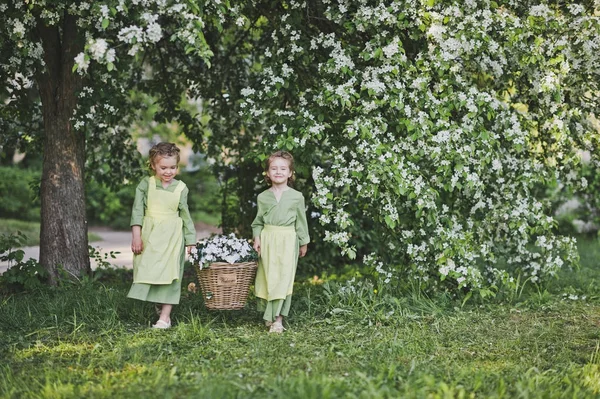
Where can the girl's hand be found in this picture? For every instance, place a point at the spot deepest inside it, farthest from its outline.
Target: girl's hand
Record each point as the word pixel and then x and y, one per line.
pixel 137 246
pixel 303 250
pixel 188 249
pixel 257 245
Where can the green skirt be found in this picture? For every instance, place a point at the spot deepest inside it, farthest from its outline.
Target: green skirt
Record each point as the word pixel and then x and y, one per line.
pixel 159 293
pixel 274 308
pixel 276 270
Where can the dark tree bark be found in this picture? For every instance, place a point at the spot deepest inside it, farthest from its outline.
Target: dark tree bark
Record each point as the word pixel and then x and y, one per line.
pixel 63 236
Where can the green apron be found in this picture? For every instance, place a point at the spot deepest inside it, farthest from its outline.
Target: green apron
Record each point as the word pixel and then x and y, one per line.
pixel 158 270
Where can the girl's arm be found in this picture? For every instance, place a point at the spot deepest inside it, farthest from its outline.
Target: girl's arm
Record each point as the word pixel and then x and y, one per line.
pixel 257 226
pixel 139 203
pixel 189 230
pixel 302 225
pixel 137 216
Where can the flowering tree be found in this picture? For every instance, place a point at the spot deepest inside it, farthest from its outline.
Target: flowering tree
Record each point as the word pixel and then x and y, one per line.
pixel 437 119
pixel 432 124
pixel 73 64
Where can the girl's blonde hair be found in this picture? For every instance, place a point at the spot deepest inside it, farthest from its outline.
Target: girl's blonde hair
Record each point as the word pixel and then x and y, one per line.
pixel 162 150
pixel 288 157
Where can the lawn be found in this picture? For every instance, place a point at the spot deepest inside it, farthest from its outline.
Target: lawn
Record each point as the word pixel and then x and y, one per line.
pixel 88 340
pixel 31 230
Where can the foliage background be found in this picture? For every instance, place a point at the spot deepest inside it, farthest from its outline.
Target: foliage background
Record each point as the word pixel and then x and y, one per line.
pixel 434 135
pixel 409 119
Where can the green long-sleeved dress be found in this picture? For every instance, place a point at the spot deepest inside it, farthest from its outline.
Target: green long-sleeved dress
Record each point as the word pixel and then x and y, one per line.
pixel 282 228
pixel 161 291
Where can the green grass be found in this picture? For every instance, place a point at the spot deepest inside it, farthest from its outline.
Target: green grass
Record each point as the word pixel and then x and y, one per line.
pixel 31 230
pixel 89 340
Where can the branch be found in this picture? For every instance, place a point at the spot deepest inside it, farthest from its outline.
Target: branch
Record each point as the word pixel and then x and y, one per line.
pixel 164 71
pixel 50 39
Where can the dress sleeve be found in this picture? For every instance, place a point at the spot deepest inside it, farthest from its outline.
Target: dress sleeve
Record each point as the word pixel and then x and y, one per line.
pixel 139 203
pixel 258 223
pixel 301 222
pixel 189 230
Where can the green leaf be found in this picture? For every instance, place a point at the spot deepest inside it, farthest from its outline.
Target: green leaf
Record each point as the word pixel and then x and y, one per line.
pixel 430 3
pixel 391 224
pixel 351 252
pixel 467 297
pixel 110 66
pixel 105 23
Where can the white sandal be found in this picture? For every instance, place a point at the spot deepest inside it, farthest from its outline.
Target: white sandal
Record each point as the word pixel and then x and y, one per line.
pixel 161 324
pixel 276 327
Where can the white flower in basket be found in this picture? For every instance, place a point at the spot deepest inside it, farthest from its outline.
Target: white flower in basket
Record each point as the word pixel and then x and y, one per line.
pixel 222 248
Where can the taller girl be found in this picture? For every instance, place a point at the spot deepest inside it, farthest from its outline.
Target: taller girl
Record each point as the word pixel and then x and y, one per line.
pixel 161 226
pixel 280 234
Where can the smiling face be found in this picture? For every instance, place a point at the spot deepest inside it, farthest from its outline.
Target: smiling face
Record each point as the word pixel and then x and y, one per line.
pixel 279 171
pixel 165 169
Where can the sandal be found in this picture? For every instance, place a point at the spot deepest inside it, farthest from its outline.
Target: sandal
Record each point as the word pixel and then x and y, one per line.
pixel 276 327
pixel 161 324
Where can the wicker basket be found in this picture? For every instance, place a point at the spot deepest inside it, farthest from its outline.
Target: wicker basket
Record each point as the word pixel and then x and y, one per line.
pixel 225 286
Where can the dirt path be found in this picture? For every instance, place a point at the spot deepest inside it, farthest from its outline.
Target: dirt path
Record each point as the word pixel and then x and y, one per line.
pixel 116 241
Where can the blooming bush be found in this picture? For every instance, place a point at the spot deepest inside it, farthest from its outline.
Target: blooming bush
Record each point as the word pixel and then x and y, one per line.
pixel 222 248
pixel 438 121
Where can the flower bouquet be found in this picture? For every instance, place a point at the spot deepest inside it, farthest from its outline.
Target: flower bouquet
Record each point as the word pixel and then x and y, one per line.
pixel 226 266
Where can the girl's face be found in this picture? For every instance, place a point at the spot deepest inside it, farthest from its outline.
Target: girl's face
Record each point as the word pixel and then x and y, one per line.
pixel 279 171
pixel 165 168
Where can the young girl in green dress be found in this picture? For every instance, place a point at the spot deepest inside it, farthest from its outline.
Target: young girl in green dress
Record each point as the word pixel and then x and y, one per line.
pixel 280 234
pixel 161 227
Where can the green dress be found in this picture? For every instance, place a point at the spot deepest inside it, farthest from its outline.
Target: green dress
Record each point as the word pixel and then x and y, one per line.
pixel 282 228
pixel 166 228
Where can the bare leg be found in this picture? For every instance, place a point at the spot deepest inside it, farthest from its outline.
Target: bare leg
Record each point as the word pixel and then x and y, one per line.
pixel 165 313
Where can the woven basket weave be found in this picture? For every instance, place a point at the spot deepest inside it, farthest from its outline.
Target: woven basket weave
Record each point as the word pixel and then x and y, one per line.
pixel 225 286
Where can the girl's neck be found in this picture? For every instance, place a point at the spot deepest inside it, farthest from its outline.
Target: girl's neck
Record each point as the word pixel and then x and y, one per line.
pixel 279 188
pixel 163 184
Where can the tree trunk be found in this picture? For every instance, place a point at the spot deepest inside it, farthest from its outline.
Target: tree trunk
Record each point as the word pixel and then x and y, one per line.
pixel 63 235
pixel 7 153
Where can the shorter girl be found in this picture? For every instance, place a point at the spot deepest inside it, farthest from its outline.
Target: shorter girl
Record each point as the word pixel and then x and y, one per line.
pixel 161 225
pixel 280 234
